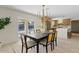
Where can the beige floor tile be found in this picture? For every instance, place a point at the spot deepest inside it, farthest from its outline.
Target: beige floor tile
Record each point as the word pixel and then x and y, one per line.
pixel 64 46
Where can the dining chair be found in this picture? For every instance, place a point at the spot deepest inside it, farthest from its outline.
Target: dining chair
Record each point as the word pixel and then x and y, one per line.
pixel 38 30
pixel 55 38
pixel 55 31
pixel 27 44
pixel 48 41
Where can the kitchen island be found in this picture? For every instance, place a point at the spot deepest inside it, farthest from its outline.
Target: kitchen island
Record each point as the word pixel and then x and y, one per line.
pixel 63 32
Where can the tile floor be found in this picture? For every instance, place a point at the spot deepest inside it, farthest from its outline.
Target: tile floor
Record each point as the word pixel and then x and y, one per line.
pixel 64 46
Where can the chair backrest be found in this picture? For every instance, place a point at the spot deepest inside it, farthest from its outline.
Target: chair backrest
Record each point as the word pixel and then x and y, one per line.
pixel 51 37
pixel 23 41
pixel 55 31
pixel 38 30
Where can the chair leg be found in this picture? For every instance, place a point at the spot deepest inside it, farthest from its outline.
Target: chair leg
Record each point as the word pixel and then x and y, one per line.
pixel 51 47
pixel 26 50
pixel 46 49
pixel 56 42
pixel 22 49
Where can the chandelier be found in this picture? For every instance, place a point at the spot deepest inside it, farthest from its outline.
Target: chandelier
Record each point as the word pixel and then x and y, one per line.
pixel 45 18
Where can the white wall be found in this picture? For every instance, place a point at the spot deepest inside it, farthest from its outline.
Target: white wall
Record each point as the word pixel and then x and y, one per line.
pixel 10 33
pixel 71 11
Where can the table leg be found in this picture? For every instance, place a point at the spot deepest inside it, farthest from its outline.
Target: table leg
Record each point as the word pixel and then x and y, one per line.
pixel 37 47
pixel 25 43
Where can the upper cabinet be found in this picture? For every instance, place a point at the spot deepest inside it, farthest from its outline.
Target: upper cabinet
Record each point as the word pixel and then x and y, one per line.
pixel 67 21
pixel 62 22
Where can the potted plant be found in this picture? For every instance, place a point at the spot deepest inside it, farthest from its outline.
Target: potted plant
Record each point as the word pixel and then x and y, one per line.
pixel 4 21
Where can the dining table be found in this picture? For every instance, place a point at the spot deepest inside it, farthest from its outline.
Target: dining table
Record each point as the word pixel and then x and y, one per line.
pixel 37 37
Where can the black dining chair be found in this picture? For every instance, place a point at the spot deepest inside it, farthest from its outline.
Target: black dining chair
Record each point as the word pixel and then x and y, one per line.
pixel 48 41
pixel 27 44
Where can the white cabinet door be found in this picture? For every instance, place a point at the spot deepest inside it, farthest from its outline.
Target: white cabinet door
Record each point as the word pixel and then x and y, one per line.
pixel 62 33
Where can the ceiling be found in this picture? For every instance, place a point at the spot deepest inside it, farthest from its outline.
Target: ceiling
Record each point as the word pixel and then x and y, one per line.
pixel 51 10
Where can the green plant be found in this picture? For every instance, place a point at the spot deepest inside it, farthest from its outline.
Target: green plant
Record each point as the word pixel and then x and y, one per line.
pixel 4 21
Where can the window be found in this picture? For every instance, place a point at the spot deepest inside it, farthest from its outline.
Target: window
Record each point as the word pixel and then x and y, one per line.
pixel 31 26
pixel 21 26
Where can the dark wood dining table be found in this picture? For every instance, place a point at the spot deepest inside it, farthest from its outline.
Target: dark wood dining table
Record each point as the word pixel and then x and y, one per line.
pixel 37 37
